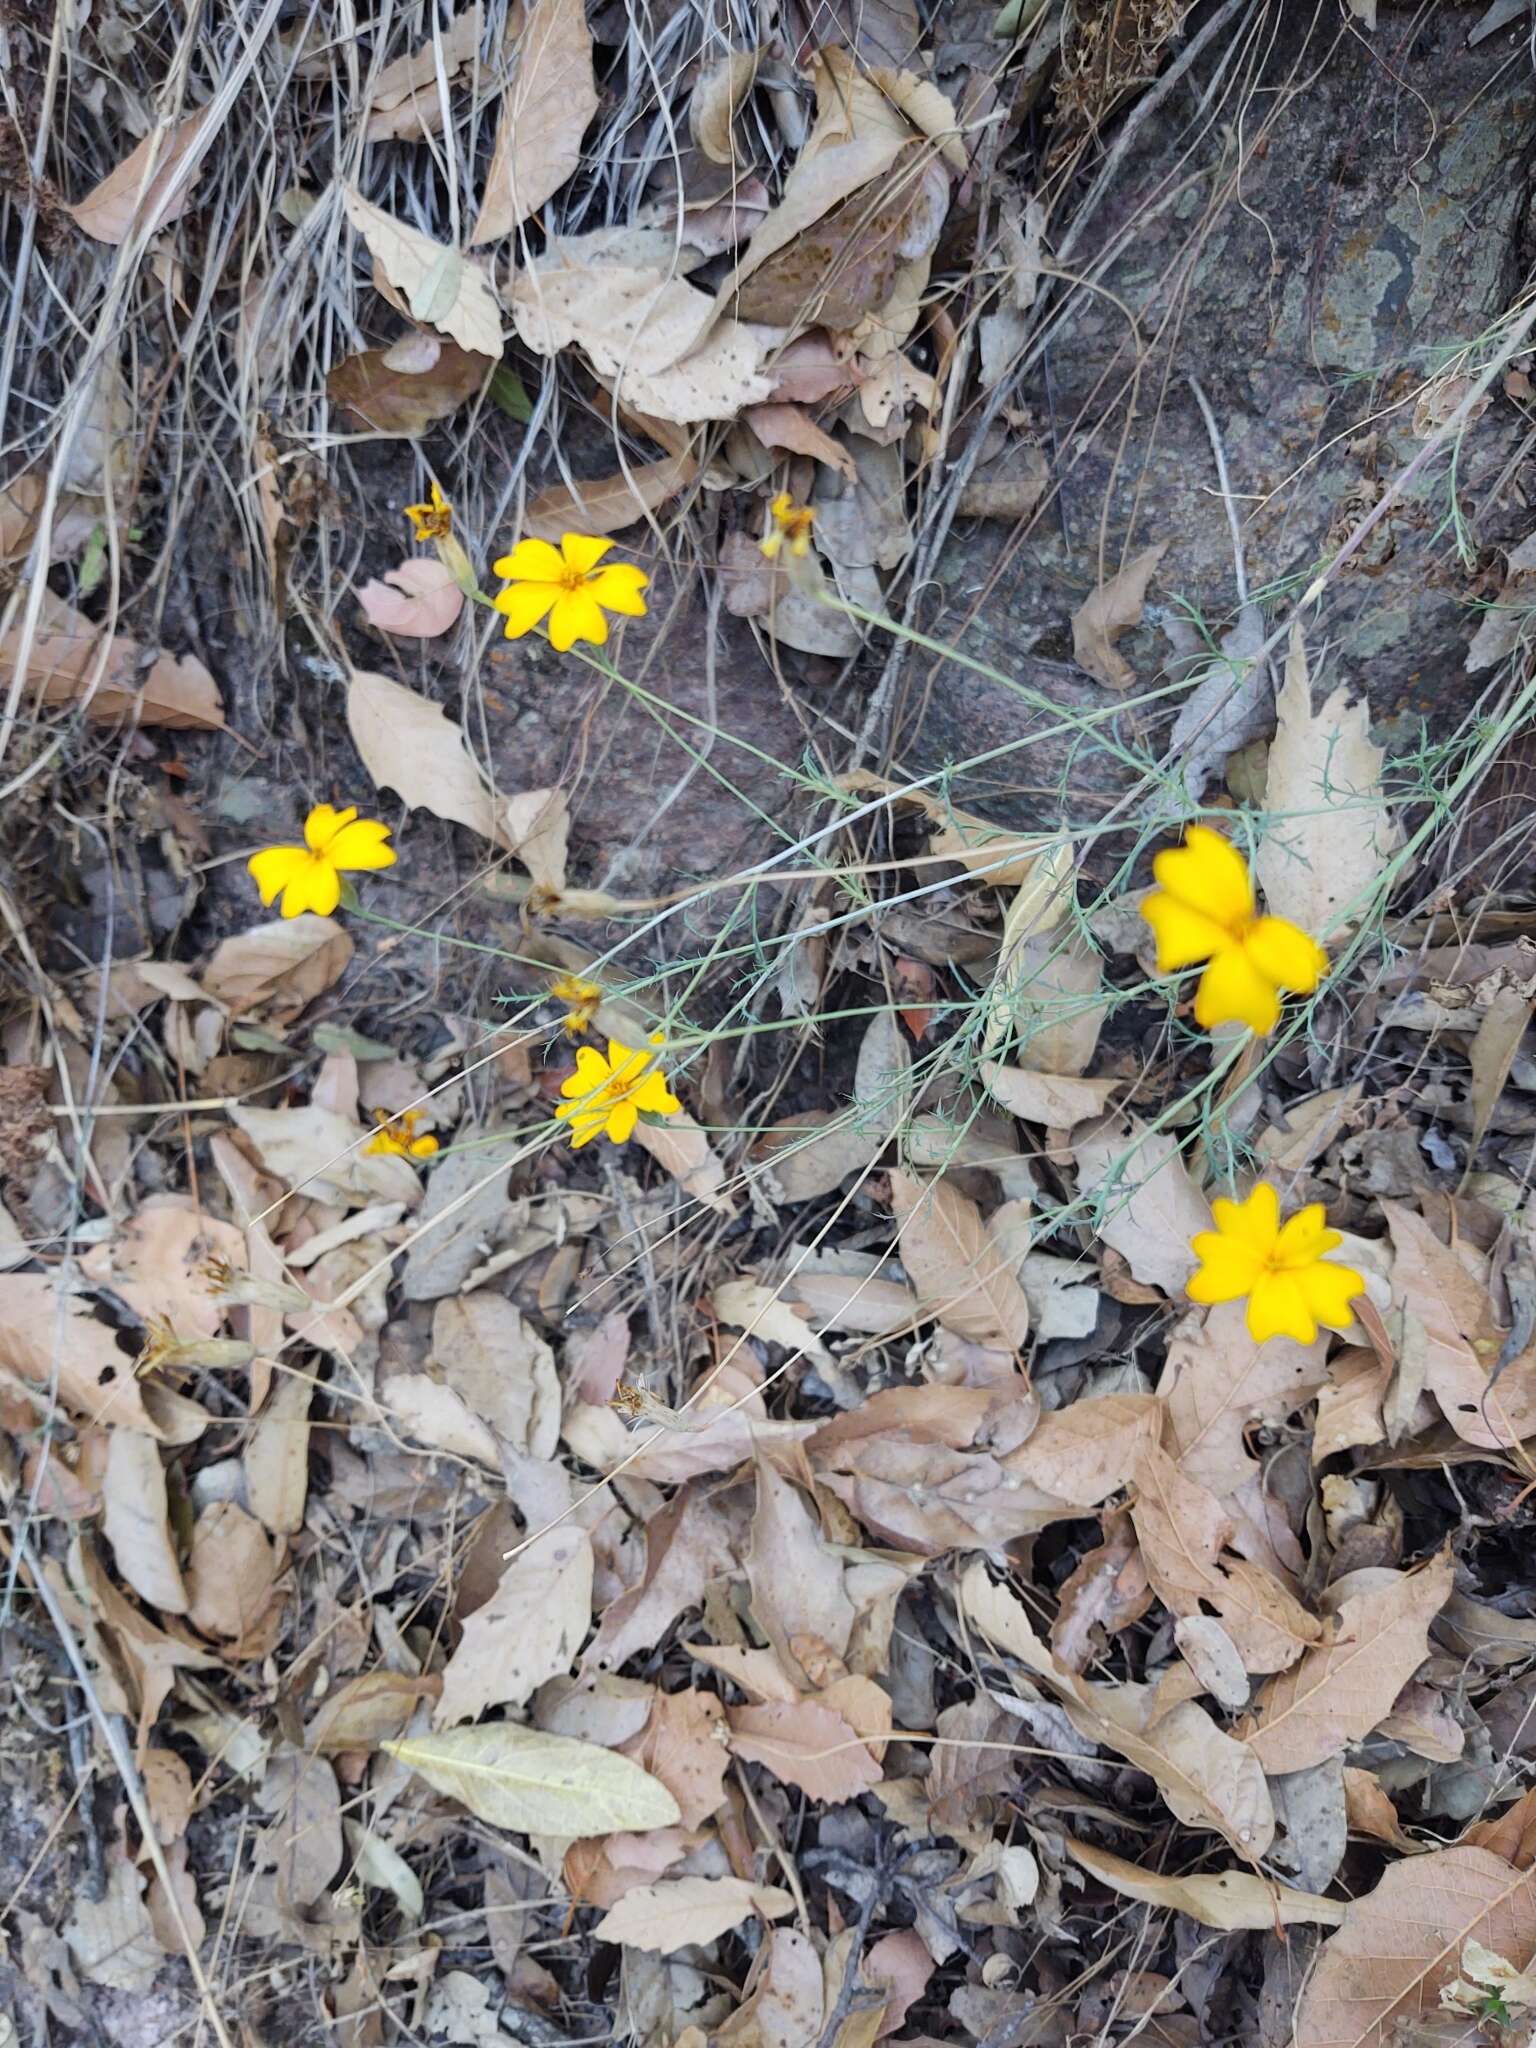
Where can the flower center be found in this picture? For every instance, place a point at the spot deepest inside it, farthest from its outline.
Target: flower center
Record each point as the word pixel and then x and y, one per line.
pixel 573 579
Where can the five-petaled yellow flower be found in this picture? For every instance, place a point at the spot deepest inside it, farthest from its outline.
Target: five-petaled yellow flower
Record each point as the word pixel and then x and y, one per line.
pixel 607 1093
pixel 581 999
pixel 397 1134
pixel 1282 1268
pixel 309 876
pixel 434 520
pixel 791 523
pixel 569 584
pixel 1204 910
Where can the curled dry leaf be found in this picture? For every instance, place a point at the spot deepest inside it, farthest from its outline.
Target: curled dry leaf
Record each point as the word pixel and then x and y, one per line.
pixel 116 680
pixel 1400 1943
pixel 1149 1208
pixel 132 197
pixel 1208 1779
pixel 367 1710
pixel 278 968
pixel 51 1339
pixel 441 288
pixel 1449 1334
pixel 552 97
pixel 807 1746
pixel 405 104
pixel 417 599
pixel 410 745
pixel 673 1915
pixel 405 391
pixel 961 1275
pixel 535 1784
pixel 1329 833
pixel 608 504
pixel 1344 1687
pixel 717 99
pixel 1112 610
pixel 1228 1899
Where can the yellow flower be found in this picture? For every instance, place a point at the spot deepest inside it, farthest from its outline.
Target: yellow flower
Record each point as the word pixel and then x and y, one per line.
pixel 608 1093
pixel 309 876
pixel 567 584
pixel 434 520
pixel 581 999
pixel 397 1134
pixel 1204 910
pixel 792 523
pixel 1291 1285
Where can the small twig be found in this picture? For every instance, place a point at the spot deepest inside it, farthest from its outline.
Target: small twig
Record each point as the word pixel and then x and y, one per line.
pixel 849 1989
pixel 1225 481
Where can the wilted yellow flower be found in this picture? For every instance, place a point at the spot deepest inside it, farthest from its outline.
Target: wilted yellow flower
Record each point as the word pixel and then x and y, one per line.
pixel 608 1092
pixel 434 520
pixel 397 1134
pixel 1204 909
pixel 1282 1268
pixel 569 587
pixel 580 998
pixel 309 876
pixel 791 523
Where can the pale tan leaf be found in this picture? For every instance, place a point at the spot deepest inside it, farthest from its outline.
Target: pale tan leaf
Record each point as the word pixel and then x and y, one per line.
pixel 322 1154
pixel 1228 1899
pixel 1148 1207
pixel 683 1149
pixel 1184 1532
pixel 405 104
pixel 51 1339
pixel 610 503
pixel 137 1521
pixel 1492 1053
pixel 112 1939
pixel 231 1571
pixel 278 968
pixel 784 2006
pixel 766 1313
pixel 795 1576
pixel 1217 1381
pixel 535 1784
pixel 791 427
pixel 961 1276
pixel 1400 1943
pixel 1450 1339
pixel 684 1910
pixel 537 828
pixel 807 1746
pixel 410 745
pixel 717 99
pixel 407 388
pixel 157 1262
pixel 1208 1779
pixel 1083 1453
pixel 1112 610
pixel 930 111
pixel 529 1630
pixel 381 1867
pixel 304 1840
pixel 366 1710
pixel 686 1746
pixel 439 1417
pixel 1213 1657
pixel 544 115
pixel 132 198
pixel 276 1456
pixel 441 288
pixel 758 1672
pixel 1056 1100
pixel 1343 1688
pixel 417 599
pixel 1036 908
pixel 500 1367
pixel 116 680
pixel 1329 834
pixel 1054 995
pixel 686 1545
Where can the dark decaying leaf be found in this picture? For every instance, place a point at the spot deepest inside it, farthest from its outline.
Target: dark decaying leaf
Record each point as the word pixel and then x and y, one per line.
pixel 375 396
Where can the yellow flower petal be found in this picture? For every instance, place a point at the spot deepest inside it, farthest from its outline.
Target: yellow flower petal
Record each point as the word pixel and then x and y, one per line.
pixel 1286 955
pixel 275 867
pixel 1226 1272
pixel 315 886
pixel 772 544
pixel 424 1146
pixel 622 1119
pixel 583 551
pixel 322 825
pixel 524 605
pixel 1277 1308
pixel 532 561
pixel 1255 1223
pixel 1183 935
pixel 654 1096
pixel 1209 875
pixel 1232 990
pixel 617 589
pixel 1307 1237
pixel 576 615
pixel 1328 1291
pixel 361 845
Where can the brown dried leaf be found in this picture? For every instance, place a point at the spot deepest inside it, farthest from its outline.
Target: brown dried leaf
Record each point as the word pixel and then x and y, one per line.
pixel 1208 1779
pixel 528 1631
pixel 1217 1380
pixel 1150 1208
pixel 276 1458
pixel 500 1367
pixel 405 105
pixel 231 1572
pixel 1228 1899
pixel 1371 1812
pixel 686 1544
pixel 382 394
pixel 1449 1332
pixel 137 1521
pixel 300 1791
pixel 791 426
pixel 364 1711
pixel 686 1746
pixel 610 503
pixel 960 1274
pixel 1057 1100
pixel 156 1264
pixel 1184 1532
pixel 1343 1688
pixel 1512 1835
pixel 1403 1941
pixel 411 745
pixel 134 686
pixel 807 1746
pixel 544 115
pixel 796 1578
pixel 1107 1592
pixel 717 99
pixel 126 202
pixel 51 1339
pixel 684 1910
pixel 1112 610
pixel 278 968
pixel 683 1149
